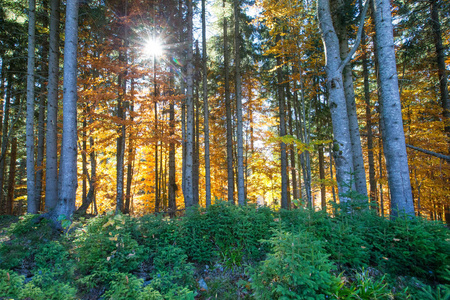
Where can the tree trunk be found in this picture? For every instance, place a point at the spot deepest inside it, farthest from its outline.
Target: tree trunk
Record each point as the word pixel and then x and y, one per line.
pixel 372 181
pixel 206 109
pixel 5 137
pixel 84 162
pixel 322 178
pixel 51 172
pixel 393 134
pixel 338 107
pixel 440 56
pixel 228 110
pixel 12 178
pixel 188 192
pixel 282 114
pixel 68 162
pixel 41 116
pixel 172 166
pixel 122 84
pixel 131 155
pixel 295 193
pixel 31 198
pixel 196 169
pixel 240 123
pixel 358 162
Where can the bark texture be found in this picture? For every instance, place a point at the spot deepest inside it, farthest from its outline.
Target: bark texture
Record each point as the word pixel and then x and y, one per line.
pixel 393 134
pixel 32 207
pixel 240 125
pixel 68 162
pixel 51 172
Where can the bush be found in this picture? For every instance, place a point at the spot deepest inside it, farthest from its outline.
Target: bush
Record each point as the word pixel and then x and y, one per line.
pixel 225 231
pixel 107 245
pixel 297 268
pixel 24 240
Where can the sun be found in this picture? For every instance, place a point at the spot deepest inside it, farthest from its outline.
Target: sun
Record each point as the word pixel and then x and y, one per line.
pixel 153 47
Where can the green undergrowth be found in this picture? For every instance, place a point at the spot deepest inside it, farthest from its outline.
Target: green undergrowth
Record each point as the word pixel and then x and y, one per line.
pixel 228 252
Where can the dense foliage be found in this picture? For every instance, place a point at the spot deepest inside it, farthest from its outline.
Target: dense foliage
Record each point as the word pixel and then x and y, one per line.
pixel 228 252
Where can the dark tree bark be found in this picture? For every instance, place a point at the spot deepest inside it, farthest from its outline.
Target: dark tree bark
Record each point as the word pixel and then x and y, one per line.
pixel 322 178
pixel 172 166
pixel 12 178
pixel 370 155
pixel 5 137
pixel 32 206
pixel 440 57
pixel 230 169
pixel 205 108
pixel 295 190
pixel 240 123
pixel 51 172
pixel 282 116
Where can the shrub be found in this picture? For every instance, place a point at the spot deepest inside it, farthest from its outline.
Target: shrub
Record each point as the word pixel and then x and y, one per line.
pixel 25 238
pixel 297 268
pixel 107 245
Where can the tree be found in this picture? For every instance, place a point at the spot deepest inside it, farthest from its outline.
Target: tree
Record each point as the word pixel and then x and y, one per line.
pixel 51 172
pixel 31 198
pixel 391 113
pixel 188 192
pixel 205 108
pixel 68 161
pixel 238 90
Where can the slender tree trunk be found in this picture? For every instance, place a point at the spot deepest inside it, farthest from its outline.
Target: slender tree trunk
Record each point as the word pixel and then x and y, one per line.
pixel 196 169
pixel 12 178
pixel 84 161
pixel 188 192
pixel 68 162
pixel 393 134
pixel 172 166
pixel 322 178
pixel 31 197
pixel 5 142
pixel 41 117
pixel 358 162
pixel 440 56
pixel 240 123
pixel 51 172
pixel 295 193
pixel 2 90
pixel 282 114
pixel 131 154
pixel 206 109
pixel 228 110
pixel 333 191
pixel 122 84
pixel 365 63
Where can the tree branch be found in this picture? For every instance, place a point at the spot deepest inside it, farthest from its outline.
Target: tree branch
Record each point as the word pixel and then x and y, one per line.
pixel 439 155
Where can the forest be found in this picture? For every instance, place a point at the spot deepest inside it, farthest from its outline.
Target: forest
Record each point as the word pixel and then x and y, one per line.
pixel 245 149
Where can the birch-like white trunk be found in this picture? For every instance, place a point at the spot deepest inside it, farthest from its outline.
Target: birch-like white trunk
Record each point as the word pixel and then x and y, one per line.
pixel 355 137
pixel 393 134
pixel 32 207
pixel 68 161
pixel 338 106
